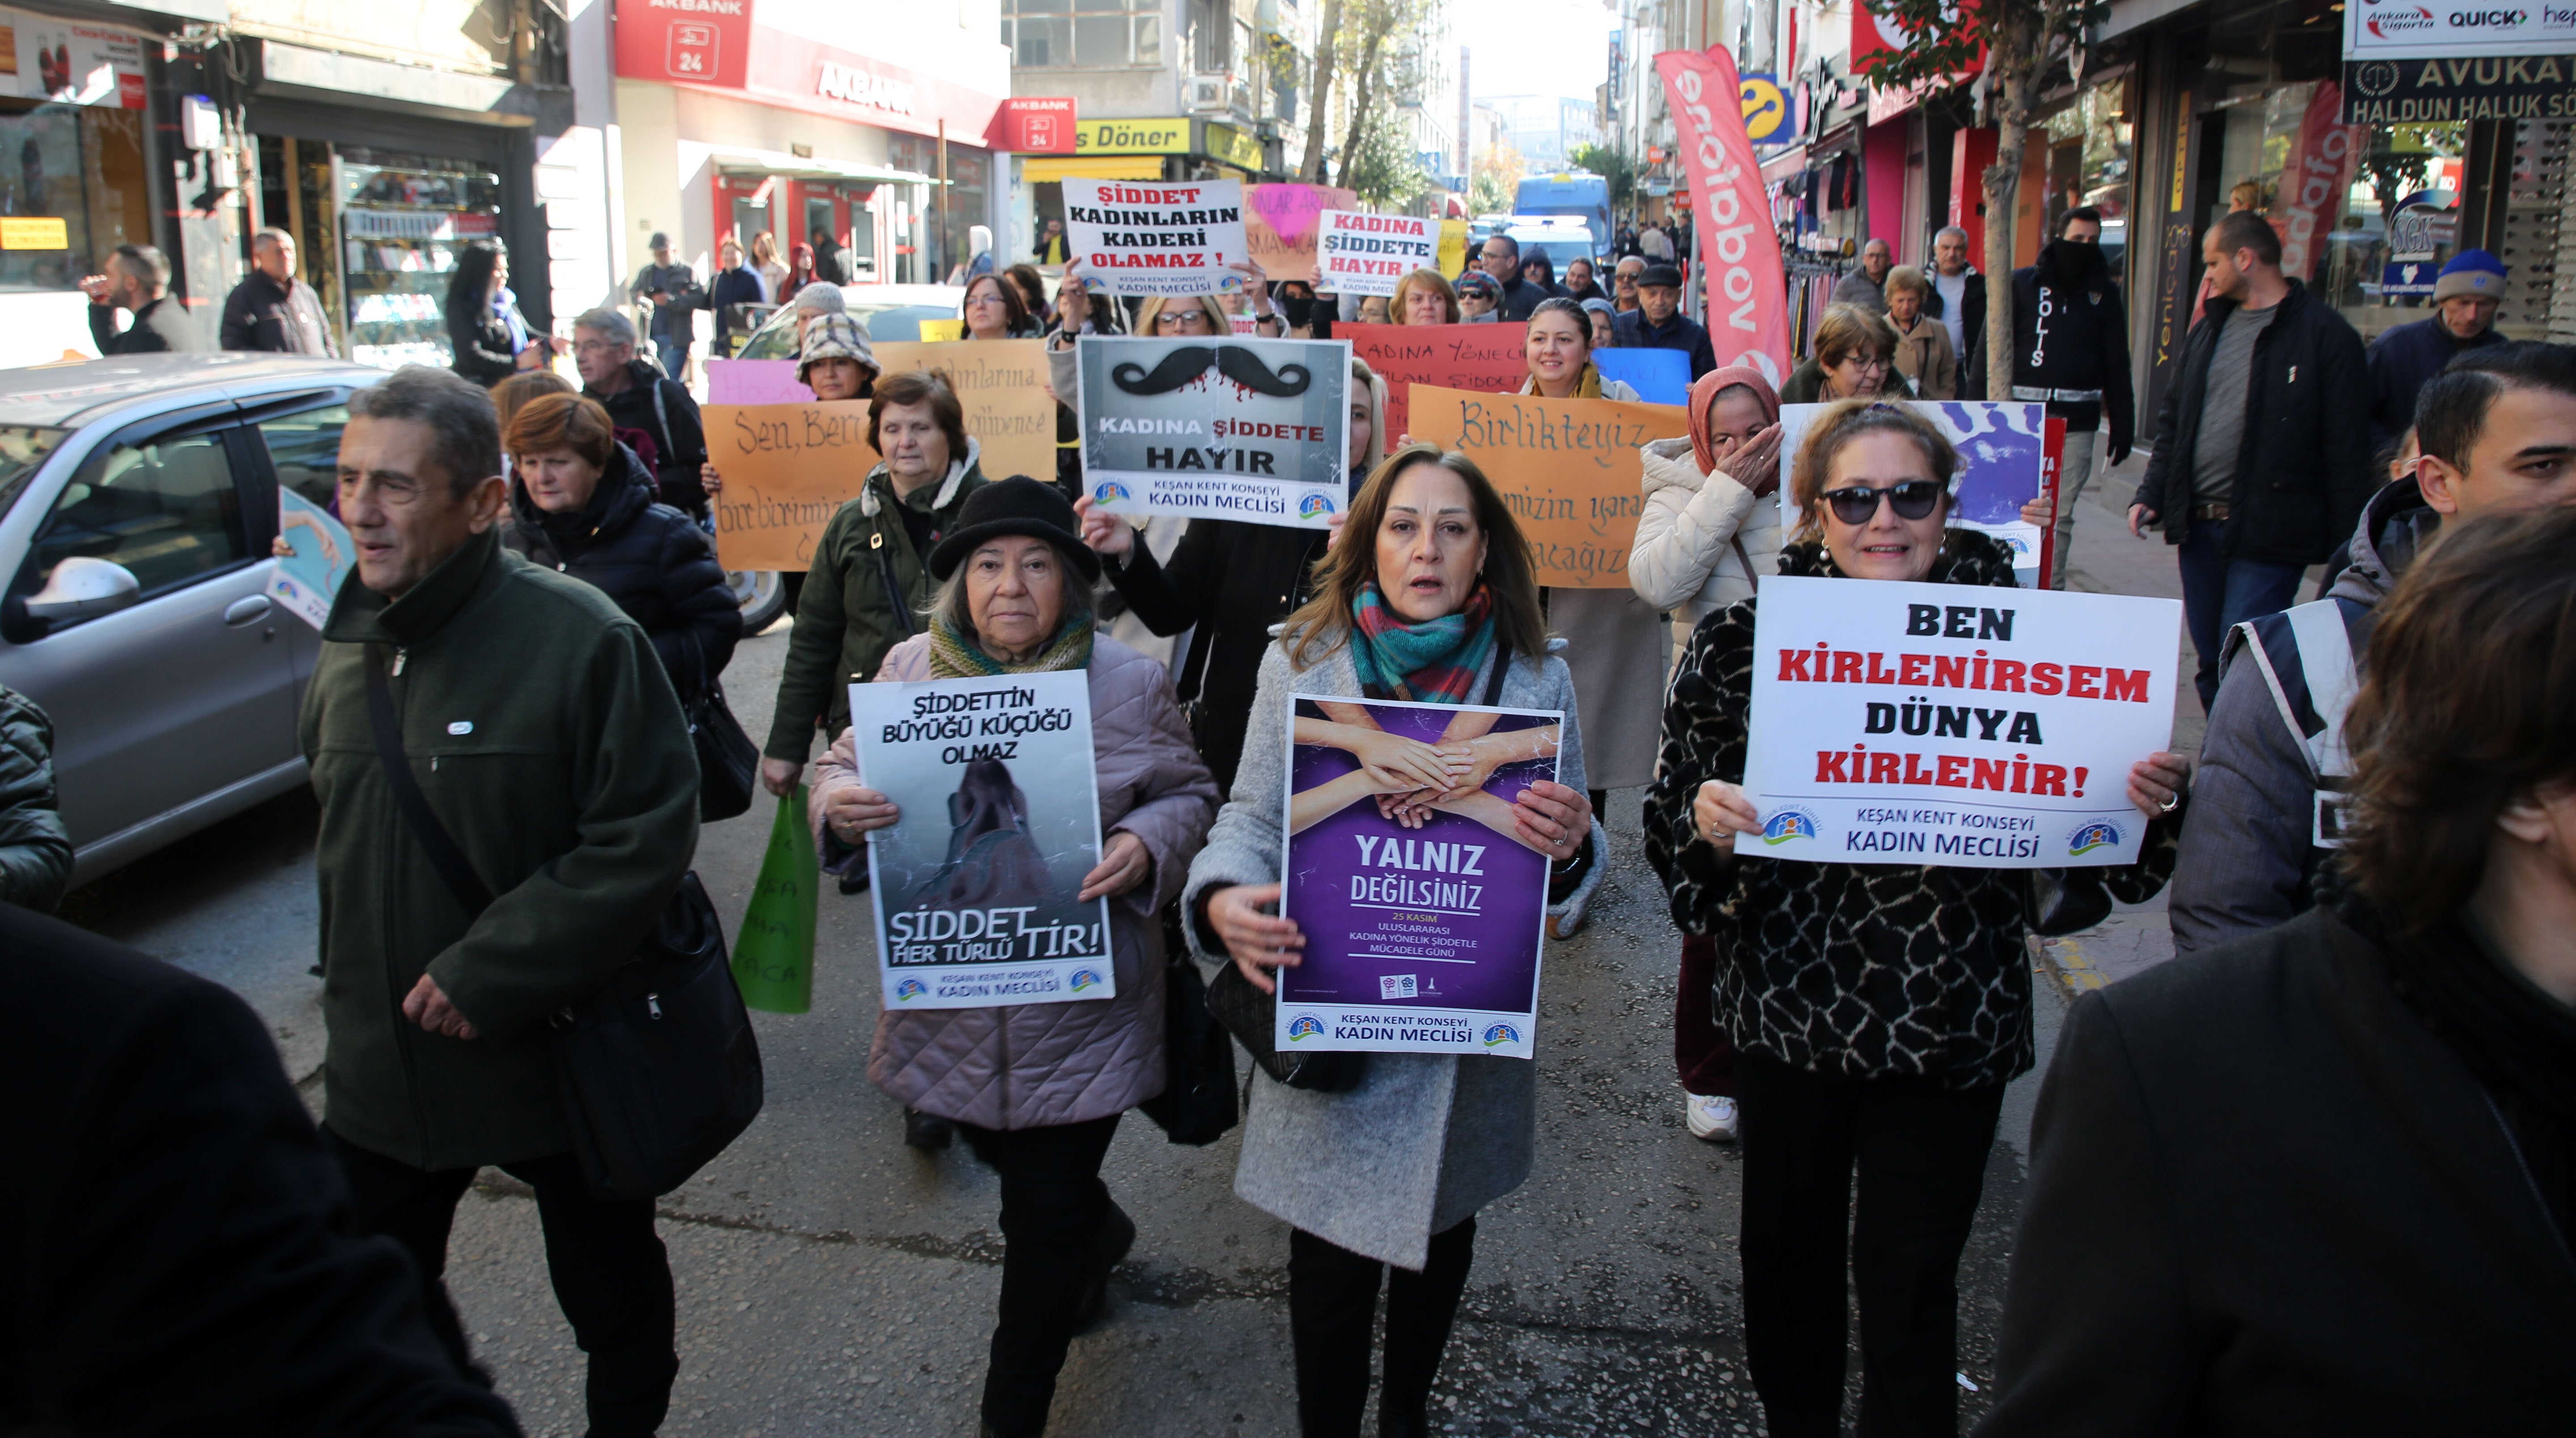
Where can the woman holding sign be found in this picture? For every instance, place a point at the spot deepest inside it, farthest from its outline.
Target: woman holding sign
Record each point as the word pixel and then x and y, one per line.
pixel 1878 1010
pixel 1038 1088
pixel 1427 596
pixel 1614 641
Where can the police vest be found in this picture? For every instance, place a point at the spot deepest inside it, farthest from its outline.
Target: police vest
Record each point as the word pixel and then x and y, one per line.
pixel 2307 658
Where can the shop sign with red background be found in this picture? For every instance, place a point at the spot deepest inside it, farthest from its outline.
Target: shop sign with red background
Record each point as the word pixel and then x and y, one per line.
pixel 1033 125
pixel 720 45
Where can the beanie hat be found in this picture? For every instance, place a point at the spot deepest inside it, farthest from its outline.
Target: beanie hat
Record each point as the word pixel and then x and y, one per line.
pixel 2471 272
pixel 1478 282
pixel 1017 505
pixel 835 337
pixel 1602 306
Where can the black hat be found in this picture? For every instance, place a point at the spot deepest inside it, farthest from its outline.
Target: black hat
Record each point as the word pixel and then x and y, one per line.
pixel 1668 276
pixel 1017 505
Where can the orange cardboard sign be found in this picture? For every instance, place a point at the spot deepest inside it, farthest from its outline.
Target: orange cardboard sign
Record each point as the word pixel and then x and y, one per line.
pixel 788 468
pixel 1568 468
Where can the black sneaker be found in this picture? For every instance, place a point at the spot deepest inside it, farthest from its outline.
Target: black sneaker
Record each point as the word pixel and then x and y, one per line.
pixel 1110 1245
pixel 927 1132
pixel 854 880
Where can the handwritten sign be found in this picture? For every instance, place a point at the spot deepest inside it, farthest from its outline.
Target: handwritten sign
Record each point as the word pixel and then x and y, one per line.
pixel 1282 223
pixel 1486 358
pixel 1249 429
pixel 1453 247
pixel 1002 384
pixel 1981 727
pixel 1364 254
pixel 1568 468
pixel 1143 238
pixel 788 468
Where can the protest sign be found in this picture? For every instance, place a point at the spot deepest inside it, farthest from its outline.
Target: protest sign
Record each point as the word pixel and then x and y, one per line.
pixel 1418 940
pixel 1491 359
pixel 308 582
pixel 787 469
pixel 1453 247
pixel 1231 428
pixel 1002 385
pixel 1145 238
pixel 936 331
pixel 2002 450
pixel 1658 376
pixel 1941 724
pixel 1568 468
pixel 1364 254
pixel 1280 223
pixel 998 822
pixel 741 381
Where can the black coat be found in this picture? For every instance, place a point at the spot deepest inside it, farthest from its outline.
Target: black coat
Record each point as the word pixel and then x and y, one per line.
pixel 480 340
pixel 163 325
pixel 261 314
pixel 2305 469
pixel 179 1256
pixel 1233 580
pixel 2081 343
pixel 736 286
pixel 1681 332
pixel 678 437
pixel 648 557
pixel 2265 1199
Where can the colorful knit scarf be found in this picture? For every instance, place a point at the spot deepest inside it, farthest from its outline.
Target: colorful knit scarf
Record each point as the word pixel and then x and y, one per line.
pixel 954 655
pixel 1434 662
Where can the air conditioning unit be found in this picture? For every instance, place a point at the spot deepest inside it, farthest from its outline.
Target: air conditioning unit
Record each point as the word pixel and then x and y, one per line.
pixel 1205 95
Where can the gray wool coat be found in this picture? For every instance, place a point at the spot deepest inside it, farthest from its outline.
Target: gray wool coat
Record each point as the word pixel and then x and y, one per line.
pixel 1422 1141
pixel 1031 1065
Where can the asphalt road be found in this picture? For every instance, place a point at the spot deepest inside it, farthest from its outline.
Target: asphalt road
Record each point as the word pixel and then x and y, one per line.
pixel 834 1282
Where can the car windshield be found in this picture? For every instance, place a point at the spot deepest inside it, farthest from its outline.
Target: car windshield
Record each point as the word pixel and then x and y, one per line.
pixel 23 448
pixel 881 323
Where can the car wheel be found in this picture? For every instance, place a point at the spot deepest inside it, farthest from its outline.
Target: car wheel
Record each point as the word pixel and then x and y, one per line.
pixel 762 593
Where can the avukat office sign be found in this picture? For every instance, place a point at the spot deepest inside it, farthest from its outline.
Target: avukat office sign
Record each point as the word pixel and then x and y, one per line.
pixel 2421 62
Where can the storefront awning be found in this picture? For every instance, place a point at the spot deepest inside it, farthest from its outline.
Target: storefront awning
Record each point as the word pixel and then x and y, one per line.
pixel 800 167
pixel 1045 169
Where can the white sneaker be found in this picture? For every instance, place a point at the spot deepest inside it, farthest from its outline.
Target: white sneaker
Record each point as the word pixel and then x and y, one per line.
pixel 1711 1117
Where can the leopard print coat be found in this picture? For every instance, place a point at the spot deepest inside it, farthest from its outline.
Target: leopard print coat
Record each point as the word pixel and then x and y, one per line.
pixel 1849 970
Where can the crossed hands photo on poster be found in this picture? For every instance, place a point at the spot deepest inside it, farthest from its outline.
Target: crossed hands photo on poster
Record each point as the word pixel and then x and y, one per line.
pixel 1410 780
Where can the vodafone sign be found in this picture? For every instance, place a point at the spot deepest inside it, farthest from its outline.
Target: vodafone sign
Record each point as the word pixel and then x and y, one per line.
pixel 1748 294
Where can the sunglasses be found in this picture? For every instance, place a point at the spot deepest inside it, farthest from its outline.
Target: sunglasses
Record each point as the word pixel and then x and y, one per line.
pixel 1914 499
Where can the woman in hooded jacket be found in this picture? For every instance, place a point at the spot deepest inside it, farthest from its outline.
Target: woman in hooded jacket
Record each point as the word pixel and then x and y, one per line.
pixel 1710 531
pixel 585 505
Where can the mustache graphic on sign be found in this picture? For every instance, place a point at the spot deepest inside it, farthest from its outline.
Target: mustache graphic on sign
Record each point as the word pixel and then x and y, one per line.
pixel 1187 363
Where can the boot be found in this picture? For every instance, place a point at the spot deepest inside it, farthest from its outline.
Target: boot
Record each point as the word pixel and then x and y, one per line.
pixel 927 1132
pixel 1116 1236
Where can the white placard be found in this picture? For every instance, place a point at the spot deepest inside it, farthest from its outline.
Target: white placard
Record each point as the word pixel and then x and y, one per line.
pixel 1978 727
pixel 1364 254
pixel 1141 237
pixel 1228 428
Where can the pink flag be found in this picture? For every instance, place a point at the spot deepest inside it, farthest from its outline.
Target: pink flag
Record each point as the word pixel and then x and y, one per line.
pixel 1748 295
pixel 2316 182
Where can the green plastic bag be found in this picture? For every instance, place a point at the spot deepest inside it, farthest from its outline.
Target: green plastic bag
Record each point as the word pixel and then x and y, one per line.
pixel 773 960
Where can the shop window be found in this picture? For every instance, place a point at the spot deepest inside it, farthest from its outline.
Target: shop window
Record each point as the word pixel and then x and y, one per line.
pixel 83 165
pixel 404 219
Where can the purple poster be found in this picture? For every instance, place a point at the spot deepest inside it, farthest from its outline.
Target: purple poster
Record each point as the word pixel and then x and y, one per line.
pixel 1422 910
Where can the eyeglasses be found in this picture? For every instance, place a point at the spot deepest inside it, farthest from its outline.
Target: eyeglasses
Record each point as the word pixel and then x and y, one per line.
pixel 1914 499
pixel 1864 364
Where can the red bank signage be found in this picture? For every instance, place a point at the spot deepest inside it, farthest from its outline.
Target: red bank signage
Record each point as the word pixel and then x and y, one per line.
pixel 1034 125
pixel 720 45
pixel 690 42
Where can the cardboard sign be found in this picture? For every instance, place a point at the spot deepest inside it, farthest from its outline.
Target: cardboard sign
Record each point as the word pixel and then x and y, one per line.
pixel 1453 247
pixel 1248 429
pixel 307 582
pixel 1658 376
pixel 1282 223
pixel 1001 383
pixel 788 468
pixel 1491 359
pixel 1146 238
pixel 974 883
pixel 1568 468
pixel 1364 254
pixel 1418 940
pixel 1898 723
pixel 2002 452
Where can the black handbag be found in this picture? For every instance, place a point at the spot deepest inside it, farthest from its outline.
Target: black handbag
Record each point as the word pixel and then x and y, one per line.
pixel 1197 1104
pixel 728 762
pixel 660 1068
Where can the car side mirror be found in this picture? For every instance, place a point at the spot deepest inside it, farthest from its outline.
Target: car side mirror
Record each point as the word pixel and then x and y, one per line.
pixel 84 588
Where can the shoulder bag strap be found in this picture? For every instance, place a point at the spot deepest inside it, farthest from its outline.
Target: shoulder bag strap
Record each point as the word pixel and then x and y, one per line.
pixel 662 416
pixel 1494 681
pixel 885 569
pixel 444 855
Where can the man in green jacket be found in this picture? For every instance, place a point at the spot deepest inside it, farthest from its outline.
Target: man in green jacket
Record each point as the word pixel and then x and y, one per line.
pixel 538 724
pixel 870 581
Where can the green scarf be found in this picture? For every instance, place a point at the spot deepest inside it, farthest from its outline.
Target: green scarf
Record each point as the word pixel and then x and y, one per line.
pixel 954 655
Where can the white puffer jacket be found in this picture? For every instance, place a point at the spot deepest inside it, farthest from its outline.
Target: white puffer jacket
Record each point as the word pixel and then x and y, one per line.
pixel 1685 559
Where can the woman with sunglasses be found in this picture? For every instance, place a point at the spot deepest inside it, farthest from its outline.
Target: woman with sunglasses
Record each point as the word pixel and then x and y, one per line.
pixel 1877 1010
pixel 1855 358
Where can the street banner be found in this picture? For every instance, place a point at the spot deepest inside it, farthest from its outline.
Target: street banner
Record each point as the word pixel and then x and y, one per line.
pixel 1490 359
pixel 1283 222
pixel 1145 238
pixel 1568 468
pixel 998 822
pixel 788 468
pixel 2316 181
pixel 309 580
pixel 1658 376
pixel 1231 428
pixel 1418 940
pixel 1897 723
pixel 2002 451
pixel 1748 293
pixel 1365 254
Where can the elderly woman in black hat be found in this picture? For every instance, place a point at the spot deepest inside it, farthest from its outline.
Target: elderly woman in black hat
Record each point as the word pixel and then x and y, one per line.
pixel 1037 1088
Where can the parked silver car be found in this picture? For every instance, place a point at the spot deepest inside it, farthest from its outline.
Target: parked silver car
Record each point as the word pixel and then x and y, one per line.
pixel 138 499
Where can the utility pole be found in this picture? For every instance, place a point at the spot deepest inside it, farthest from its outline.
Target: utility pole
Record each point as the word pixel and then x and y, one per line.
pixel 1466 136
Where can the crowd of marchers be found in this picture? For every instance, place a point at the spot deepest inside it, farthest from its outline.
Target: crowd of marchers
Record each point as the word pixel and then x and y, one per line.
pixel 2350 1103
